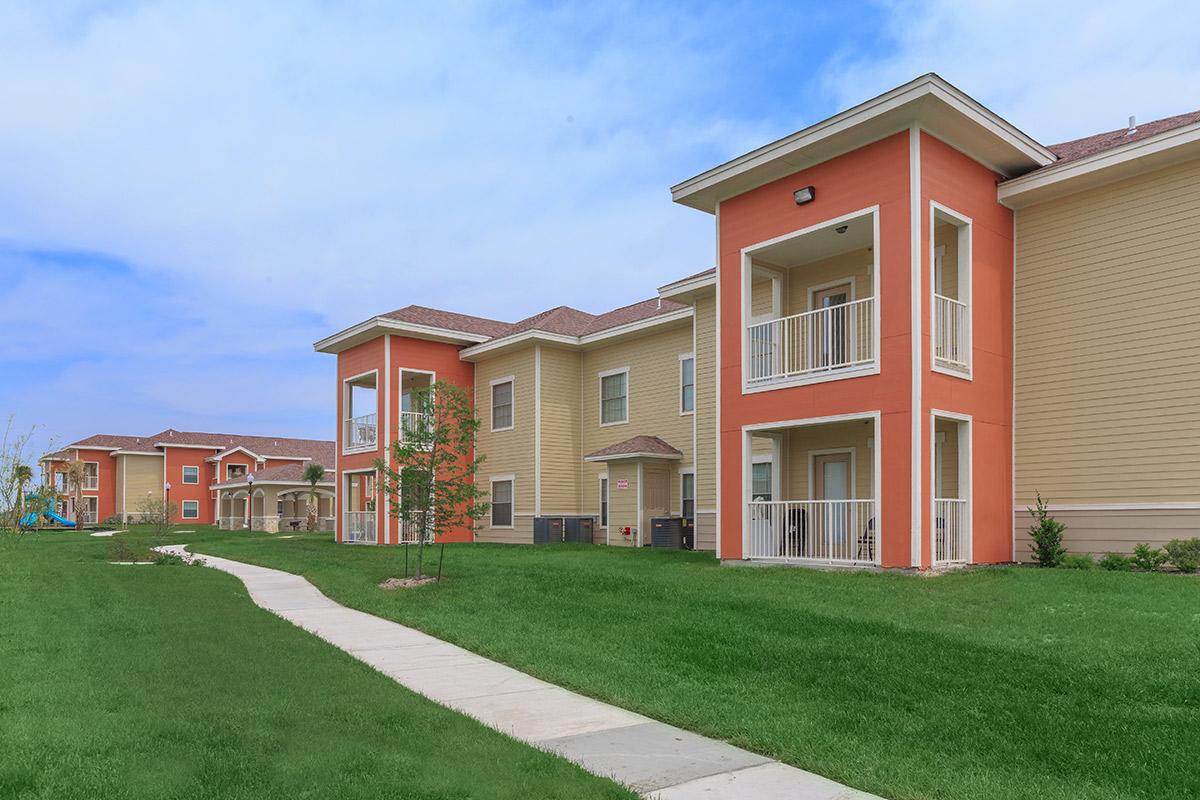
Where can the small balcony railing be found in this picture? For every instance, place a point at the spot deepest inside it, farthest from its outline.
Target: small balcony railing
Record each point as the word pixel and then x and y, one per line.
pixel 825 531
pixel 91 483
pixel 410 532
pixel 951 531
pixel 361 433
pixel 87 518
pixel 828 339
pixel 410 422
pixel 359 527
pixel 951 347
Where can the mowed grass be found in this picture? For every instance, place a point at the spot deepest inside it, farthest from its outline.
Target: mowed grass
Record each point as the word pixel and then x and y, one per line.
pixel 168 682
pixel 992 683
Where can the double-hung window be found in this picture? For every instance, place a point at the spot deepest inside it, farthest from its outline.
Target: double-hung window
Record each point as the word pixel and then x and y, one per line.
pixel 687 494
pixel 191 474
pixel 502 405
pixel 502 503
pixel 687 384
pixel 604 501
pixel 614 397
pixel 191 509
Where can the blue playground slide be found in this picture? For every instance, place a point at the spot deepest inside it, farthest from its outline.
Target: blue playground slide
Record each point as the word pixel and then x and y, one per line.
pixel 30 519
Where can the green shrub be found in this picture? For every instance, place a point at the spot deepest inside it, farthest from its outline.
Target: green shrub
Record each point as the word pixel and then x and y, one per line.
pixel 1078 561
pixel 1184 554
pixel 1148 558
pixel 1047 535
pixel 1115 562
pixel 168 560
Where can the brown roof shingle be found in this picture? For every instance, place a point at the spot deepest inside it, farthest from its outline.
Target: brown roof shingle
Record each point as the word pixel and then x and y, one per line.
pixel 291 473
pixel 1090 145
pixel 649 445
pixel 450 320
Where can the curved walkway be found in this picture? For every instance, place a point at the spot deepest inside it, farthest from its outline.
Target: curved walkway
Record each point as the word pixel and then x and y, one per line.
pixel 659 761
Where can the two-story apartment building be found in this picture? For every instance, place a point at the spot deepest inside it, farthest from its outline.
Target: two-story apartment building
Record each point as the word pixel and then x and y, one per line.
pixel 211 477
pixel 919 317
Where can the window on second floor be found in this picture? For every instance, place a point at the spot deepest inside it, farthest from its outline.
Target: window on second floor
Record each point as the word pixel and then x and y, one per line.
pixel 191 474
pixel 687 384
pixel 614 397
pixel 502 404
pixel 235 471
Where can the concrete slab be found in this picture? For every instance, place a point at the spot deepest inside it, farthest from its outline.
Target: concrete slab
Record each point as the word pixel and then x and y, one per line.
pixel 773 781
pixel 652 755
pixel 539 715
pixel 393 660
pixel 466 681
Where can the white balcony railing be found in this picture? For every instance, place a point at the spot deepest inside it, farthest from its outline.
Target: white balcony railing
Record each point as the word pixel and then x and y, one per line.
pixel 360 433
pixel 359 527
pixel 87 518
pixel 409 422
pixel 950 334
pixel 951 531
pixel 826 531
pixel 91 483
pixel 838 337
pixel 410 532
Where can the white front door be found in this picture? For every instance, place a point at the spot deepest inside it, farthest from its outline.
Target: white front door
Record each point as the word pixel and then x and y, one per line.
pixel 831 482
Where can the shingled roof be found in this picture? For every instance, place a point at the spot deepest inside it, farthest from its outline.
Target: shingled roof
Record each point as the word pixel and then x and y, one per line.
pixel 635 447
pixel 1098 143
pixel 288 473
pixel 320 451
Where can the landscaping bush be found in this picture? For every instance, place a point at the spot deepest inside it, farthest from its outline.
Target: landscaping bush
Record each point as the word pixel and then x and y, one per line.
pixel 1148 558
pixel 1047 535
pixel 119 550
pixel 1115 562
pixel 169 560
pixel 1078 561
pixel 1184 554
pixel 112 521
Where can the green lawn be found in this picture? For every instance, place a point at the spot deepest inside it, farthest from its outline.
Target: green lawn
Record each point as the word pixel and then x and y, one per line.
pixel 168 682
pixel 997 683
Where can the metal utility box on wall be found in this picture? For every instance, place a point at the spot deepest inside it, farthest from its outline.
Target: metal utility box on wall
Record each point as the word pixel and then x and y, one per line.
pixel 554 530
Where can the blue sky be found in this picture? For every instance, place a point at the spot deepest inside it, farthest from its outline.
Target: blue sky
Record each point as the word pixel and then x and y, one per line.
pixel 191 193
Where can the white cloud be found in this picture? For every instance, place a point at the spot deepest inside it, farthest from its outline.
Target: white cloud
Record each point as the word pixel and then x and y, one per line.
pixel 1058 71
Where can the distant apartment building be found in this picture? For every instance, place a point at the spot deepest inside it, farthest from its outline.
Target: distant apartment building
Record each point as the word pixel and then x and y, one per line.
pixel 213 478
pixel 919 318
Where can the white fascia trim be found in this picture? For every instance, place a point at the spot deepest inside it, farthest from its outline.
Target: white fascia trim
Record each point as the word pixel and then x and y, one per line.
pixel 1012 190
pixel 687 286
pixel 633 327
pixel 255 456
pixel 574 341
pixel 189 446
pixel 135 453
pixel 629 456
pixel 928 84
pixel 1116 507
pixel 385 324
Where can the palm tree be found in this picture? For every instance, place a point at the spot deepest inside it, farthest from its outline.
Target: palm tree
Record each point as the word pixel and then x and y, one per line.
pixel 76 471
pixel 313 474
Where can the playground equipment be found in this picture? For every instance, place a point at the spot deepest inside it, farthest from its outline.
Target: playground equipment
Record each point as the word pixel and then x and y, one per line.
pixel 42 509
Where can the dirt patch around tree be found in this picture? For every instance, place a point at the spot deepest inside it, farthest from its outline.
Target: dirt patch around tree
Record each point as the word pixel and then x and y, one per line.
pixel 407 583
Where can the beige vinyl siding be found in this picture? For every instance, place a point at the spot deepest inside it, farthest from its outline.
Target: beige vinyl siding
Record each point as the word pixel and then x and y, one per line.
pixel 948 429
pixel 946 235
pixel 855 265
pixel 508 452
pixel 143 478
pixel 706 403
pixel 653 362
pixel 561 454
pixel 762 299
pixel 623 503
pixel 799 442
pixel 705 531
pixel 1107 357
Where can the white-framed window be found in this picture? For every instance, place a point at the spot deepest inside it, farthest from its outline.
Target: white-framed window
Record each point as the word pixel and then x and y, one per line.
pixel 190 509
pixel 279 508
pixel 614 396
pixel 191 474
pixel 604 501
pixel 950 305
pixel 234 471
pixel 687 383
pixel 760 481
pixel 687 495
pixel 91 476
pixel 502 501
pixel 502 404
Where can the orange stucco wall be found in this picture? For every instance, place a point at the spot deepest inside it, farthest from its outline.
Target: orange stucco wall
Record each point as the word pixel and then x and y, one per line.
pixel 176 459
pixel 954 180
pixel 106 495
pixel 873 175
pixel 406 353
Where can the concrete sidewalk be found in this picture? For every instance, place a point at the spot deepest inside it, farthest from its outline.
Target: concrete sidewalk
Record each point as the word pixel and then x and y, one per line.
pixel 658 761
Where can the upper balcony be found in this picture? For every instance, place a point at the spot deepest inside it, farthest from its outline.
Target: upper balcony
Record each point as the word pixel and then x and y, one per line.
pixel 809 303
pixel 951 281
pixel 360 404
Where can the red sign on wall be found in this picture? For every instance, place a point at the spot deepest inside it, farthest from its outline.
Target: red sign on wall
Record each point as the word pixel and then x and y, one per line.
pixel 622 483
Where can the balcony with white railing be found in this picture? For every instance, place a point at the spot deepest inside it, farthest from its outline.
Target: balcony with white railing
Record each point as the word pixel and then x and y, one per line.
pixel 834 532
pixel 87 518
pixel 358 527
pixel 815 343
pixel 361 434
pixel 410 422
pixel 91 483
pixel 410 532
pixel 951 334
pixel 951 531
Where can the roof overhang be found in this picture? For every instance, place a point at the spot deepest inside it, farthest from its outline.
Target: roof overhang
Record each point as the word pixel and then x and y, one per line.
pixel 636 456
pixel 629 329
pixel 188 446
pixel 688 289
pixel 268 482
pixel 928 101
pixel 379 326
pixel 138 453
pixel 1154 152
pixel 233 450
